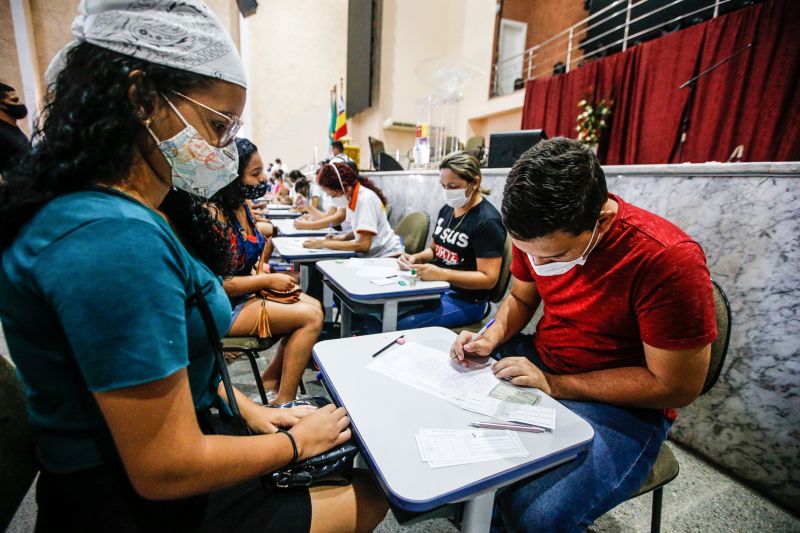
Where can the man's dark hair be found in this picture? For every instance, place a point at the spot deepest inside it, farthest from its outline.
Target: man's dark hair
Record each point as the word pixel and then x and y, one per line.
pixel 339 145
pixel 5 89
pixel 556 185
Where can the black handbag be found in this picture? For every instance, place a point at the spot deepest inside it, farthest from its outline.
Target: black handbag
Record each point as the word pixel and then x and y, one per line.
pixel 333 467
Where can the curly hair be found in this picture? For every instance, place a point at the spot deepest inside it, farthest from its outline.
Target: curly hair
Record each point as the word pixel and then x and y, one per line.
pixel 88 135
pixel 198 229
pixel 326 176
pixel 231 197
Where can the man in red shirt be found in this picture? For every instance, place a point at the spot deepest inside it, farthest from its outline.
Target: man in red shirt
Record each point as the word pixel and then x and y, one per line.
pixel 625 336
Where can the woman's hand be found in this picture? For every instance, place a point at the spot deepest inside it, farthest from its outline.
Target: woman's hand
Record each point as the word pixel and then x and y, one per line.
pixel 429 272
pixel 314 244
pixel 268 419
pixel 280 282
pixel 300 223
pixel 405 261
pixel 522 372
pixel 320 431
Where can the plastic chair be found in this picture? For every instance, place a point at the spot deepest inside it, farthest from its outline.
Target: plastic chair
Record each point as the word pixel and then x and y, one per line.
pixel 476 146
pixel 666 467
pixel 413 228
pixel 18 464
pixel 250 346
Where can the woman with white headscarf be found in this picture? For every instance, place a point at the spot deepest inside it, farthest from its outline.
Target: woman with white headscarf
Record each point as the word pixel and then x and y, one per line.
pixel 99 298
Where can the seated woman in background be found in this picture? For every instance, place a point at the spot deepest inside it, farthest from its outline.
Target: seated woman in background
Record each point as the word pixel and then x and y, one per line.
pixel 302 193
pixel 371 235
pixel 299 322
pixel 319 213
pixel 466 250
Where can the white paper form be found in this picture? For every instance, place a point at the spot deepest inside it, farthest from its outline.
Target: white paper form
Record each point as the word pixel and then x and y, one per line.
pixel 544 417
pixel 377 272
pixel 433 371
pixel 356 262
pixel 451 447
pixel 289 244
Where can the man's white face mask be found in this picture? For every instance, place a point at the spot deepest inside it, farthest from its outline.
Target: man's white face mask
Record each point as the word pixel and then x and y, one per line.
pixel 557 268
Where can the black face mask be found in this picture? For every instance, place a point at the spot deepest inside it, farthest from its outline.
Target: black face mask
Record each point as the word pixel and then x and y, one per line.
pixel 16 111
pixel 252 192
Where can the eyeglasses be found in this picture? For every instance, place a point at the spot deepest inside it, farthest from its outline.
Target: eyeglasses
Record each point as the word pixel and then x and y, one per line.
pixel 232 126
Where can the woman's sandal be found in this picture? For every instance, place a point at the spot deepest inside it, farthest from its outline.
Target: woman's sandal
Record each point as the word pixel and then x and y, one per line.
pixel 232 356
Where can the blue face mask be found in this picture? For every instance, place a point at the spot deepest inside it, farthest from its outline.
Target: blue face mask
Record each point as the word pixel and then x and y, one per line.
pixel 253 192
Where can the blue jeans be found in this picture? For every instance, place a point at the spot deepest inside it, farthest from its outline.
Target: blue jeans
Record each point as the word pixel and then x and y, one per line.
pixel 451 311
pixel 571 496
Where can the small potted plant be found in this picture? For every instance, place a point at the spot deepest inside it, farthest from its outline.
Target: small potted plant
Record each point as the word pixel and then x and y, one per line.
pixel 592 120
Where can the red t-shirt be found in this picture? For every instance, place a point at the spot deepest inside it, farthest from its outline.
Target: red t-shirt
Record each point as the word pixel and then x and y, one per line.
pixel 646 280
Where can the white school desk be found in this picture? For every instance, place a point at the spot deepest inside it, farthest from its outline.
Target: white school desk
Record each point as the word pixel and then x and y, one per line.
pixel 386 414
pixel 359 294
pixel 286 229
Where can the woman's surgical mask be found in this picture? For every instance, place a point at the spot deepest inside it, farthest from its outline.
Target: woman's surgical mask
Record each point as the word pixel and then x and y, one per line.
pixel 339 202
pixel 197 167
pixel 557 268
pixel 456 198
pixel 253 192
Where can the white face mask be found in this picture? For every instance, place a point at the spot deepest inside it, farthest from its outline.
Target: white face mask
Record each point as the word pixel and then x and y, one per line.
pixel 197 167
pixel 557 268
pixel 455 198
pixel 339 202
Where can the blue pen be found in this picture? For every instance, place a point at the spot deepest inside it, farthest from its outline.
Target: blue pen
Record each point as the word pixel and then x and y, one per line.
pixel 482 331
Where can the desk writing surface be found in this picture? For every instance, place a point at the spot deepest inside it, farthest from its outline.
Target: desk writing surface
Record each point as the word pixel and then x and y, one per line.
pixel 286 228
pixel 282 214
pixel 345 276
pixel 291 249
pixel 386 414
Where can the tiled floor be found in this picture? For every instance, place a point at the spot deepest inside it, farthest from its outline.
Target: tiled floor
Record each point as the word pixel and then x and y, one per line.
pixel 701 499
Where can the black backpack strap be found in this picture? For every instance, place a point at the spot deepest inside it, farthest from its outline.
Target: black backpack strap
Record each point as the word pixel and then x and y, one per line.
pixel 222 368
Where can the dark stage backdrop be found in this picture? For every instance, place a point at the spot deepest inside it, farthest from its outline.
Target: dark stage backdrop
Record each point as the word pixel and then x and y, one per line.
pixel 752 100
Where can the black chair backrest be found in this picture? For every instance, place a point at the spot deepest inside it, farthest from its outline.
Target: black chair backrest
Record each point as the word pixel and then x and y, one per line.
pixel 499 290
pixel 18 464
pixel 719 348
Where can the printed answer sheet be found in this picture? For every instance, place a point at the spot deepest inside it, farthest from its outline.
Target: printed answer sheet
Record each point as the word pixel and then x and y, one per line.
pixel 433 371
pixel 452 447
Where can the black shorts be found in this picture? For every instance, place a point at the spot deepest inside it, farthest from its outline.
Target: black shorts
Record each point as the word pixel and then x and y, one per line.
pixel 102 499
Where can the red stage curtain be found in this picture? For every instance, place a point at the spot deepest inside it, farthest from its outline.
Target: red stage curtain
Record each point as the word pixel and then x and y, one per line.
pixel 752 100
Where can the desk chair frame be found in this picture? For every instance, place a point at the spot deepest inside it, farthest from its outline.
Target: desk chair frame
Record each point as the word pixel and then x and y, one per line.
pixel 250 347
pixel 666 467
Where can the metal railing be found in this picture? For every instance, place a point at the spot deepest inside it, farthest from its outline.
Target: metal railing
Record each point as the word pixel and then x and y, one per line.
pixel 567 50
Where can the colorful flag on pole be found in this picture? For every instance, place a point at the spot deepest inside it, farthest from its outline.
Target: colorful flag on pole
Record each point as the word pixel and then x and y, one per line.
pixel 341 119
pixel 332 127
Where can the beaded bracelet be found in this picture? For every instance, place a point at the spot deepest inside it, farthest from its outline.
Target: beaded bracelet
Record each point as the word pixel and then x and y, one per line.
pixel 294 444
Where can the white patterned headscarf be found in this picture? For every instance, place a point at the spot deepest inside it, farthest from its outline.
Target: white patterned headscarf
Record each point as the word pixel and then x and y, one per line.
pixel 183 34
